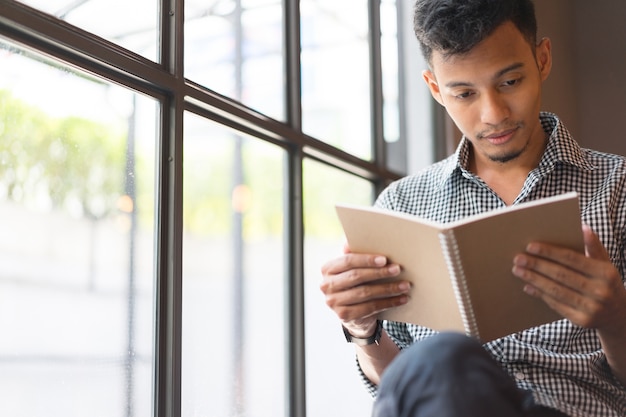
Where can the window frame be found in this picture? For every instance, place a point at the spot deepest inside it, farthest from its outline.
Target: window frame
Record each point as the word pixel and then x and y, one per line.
pixel 165 82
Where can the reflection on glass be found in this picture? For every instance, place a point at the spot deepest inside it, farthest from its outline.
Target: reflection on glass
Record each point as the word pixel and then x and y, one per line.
pixel 328 356
pixel 335 74
pixel 76 248
pixel 235 47
pixel 131 24
pixel 233 274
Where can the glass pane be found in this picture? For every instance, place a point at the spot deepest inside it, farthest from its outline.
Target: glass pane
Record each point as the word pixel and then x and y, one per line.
pixel 328 356
pixel 235 47
pixel 396 148
pixel 389 52
pixel 335 74
pixel 77 192
pixel 130 24
pixel 233 355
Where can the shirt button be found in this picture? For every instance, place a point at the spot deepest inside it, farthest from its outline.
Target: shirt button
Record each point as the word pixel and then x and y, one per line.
pixel 520 376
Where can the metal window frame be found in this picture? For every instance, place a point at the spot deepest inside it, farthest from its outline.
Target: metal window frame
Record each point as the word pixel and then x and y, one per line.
pixel 166 83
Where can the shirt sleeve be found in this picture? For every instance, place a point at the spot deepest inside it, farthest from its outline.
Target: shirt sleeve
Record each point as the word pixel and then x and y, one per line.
pixel 403 335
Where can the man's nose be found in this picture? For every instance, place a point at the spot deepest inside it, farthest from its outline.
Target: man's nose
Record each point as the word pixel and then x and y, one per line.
pixel 494 109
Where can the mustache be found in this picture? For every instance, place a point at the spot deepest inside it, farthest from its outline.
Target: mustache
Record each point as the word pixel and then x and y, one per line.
pixel 499 129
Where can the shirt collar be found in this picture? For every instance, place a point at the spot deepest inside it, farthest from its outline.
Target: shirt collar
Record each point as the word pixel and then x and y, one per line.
pixel 562 148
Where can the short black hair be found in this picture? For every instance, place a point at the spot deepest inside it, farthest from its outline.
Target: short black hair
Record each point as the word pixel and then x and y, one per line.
pixel 454 27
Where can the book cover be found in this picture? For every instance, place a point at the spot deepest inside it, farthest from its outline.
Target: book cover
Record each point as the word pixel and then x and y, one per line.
pixel 461 271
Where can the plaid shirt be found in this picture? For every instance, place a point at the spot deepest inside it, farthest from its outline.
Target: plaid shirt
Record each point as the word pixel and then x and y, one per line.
pixel 561 363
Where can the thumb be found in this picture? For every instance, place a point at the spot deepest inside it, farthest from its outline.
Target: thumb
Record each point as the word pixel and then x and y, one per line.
pixel 346 248
pixel 593 247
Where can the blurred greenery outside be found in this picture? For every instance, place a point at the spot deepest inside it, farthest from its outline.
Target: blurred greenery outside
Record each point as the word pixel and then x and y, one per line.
pixel 69 163
pixel 78 165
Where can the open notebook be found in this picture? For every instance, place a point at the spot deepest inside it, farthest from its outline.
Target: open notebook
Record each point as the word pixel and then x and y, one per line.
pixel 461 271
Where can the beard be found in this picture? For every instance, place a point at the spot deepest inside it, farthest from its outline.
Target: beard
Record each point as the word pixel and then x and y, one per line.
pixel 509 155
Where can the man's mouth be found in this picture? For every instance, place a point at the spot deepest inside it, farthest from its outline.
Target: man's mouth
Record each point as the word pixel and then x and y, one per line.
pixel 501 137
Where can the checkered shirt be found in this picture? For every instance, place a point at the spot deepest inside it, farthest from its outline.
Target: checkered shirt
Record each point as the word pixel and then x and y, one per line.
pixel 562 364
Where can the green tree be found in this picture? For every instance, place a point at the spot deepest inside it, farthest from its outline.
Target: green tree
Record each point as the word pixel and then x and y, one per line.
pixel 85 165
pixel 72 162
pixel 22 133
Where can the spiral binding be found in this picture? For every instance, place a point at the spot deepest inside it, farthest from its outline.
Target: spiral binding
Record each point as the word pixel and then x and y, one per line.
pixel 459 283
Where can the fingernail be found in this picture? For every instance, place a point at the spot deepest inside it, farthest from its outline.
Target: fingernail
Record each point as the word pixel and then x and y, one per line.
pixel 380 261
pixel 530 290
pixel 520 260
pixel 532 248
pixel 404 286
pixel 394 269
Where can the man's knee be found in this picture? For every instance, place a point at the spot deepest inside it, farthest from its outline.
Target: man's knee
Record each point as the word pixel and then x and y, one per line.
pixel 442 353
pixel 448 371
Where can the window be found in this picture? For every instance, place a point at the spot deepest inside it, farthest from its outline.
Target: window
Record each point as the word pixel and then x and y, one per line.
pixel 77 193
pixel 236 48
pixel 130 24
pixel 233 339
pixel 167 178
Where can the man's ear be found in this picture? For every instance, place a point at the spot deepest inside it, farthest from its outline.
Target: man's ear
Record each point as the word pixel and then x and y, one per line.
pixel 543 53
pixel 432 84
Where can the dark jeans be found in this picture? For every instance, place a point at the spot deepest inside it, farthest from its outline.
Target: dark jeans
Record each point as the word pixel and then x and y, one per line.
pixel 450 375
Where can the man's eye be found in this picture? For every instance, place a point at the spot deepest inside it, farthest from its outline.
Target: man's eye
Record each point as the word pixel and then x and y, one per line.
pixel 510 83
pixel 463 96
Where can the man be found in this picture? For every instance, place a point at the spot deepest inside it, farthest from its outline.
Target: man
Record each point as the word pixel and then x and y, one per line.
pixel 486 68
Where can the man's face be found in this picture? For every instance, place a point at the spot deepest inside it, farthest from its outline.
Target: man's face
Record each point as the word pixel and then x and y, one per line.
pixel 493 94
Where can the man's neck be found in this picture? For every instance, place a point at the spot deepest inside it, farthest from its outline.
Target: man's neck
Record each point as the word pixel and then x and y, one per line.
pixel 506 179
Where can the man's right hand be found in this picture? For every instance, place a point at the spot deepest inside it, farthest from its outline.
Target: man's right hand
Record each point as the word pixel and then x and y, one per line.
pixel 353 289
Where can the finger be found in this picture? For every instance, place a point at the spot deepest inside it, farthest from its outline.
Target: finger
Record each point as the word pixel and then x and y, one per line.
pixel 570 309
pixel 557 255
pixel 355 312
pixel 366 293
pixel 584 274
pixel 544 274
pixel 562 289
pixel 357 277
pixel 374 267
pixel 579 298
pixel 593 246
pixel 352 261
pixel 346 248
pixel 545 278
